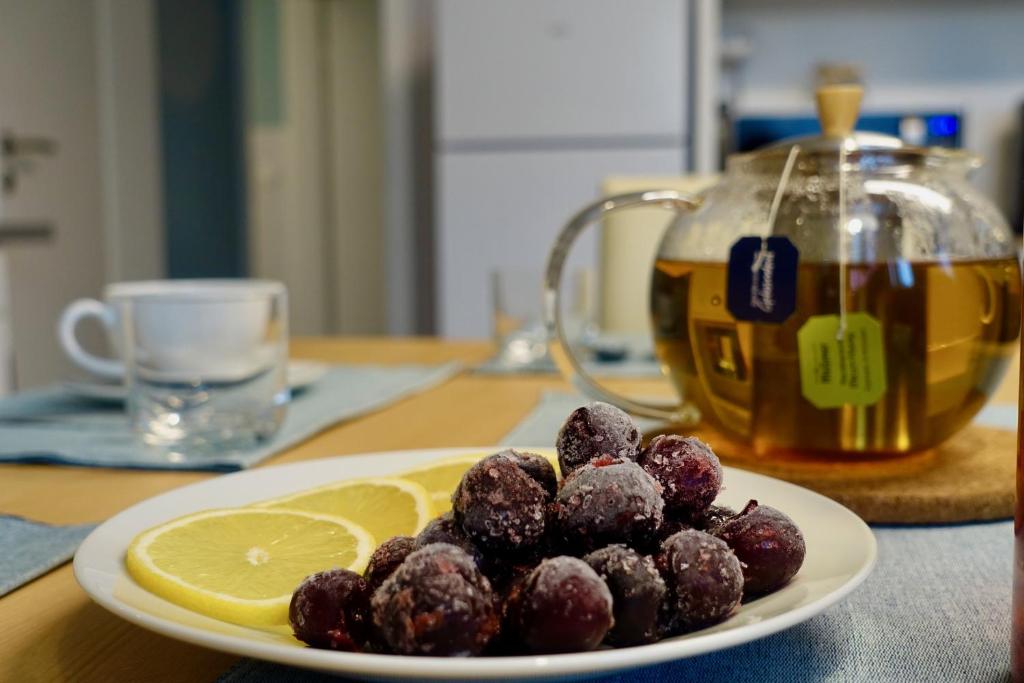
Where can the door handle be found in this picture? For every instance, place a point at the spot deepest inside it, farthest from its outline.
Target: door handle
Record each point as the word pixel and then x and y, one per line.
pixel 27 145
pixel 24 232
pixel 17 156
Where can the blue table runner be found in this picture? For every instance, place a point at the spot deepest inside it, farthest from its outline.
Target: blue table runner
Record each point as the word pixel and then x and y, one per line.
pixel 936 607
pixel 55 427
pixel 52 426
pixel 30 549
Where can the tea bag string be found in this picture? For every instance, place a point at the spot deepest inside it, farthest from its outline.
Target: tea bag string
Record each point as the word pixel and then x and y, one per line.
pixel 773 212
pixel 842 246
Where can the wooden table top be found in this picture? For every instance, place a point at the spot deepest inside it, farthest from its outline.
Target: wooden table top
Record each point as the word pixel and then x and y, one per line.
pixel 51 631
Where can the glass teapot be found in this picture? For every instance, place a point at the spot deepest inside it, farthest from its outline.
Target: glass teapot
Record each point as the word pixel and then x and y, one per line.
pixel 841 293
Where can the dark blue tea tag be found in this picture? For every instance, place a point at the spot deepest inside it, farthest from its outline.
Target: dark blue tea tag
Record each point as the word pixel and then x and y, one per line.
pixel 762 279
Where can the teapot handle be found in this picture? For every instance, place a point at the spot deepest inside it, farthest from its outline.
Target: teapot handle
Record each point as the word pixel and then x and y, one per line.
pixel 561 351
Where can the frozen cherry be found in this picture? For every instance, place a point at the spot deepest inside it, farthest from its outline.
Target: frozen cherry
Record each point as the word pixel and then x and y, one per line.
pixel 500 507
pixel 386 558
pixel 708 520
pixel 607 501
pixel 688 471
pixel 331 610
pixel 637 591
pixel 769 545
pixel 672 524
pixel 704 579
pixel 511 574
pixel 444 529
pixel 562 606
pixel 436 603
pixel 537 466
pixel 594 430
pixel 508 584
pixel 712 518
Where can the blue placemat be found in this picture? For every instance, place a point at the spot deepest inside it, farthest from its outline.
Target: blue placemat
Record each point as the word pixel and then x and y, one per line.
pixel 540 427
pixel 607 354
pixel 30 549
pixel 936 608
pixel 628 367
pixel 999 417
pixel 52 426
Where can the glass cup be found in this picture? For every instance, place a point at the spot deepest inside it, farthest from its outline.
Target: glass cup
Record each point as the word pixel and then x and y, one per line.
pixel 518 317
pixel 517 325
pixel 204 361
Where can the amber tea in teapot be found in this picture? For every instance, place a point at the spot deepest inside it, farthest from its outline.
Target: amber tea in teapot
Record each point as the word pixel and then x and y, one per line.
pixel 839 294
pixel 949 332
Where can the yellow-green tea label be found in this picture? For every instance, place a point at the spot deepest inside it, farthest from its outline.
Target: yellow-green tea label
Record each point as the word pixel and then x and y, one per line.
pixel 838 370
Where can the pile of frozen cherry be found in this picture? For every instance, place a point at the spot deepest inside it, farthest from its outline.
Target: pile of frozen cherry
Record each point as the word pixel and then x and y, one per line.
pixel 627 550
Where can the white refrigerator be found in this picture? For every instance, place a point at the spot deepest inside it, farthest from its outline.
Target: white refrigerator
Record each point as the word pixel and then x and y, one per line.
pixel 535 103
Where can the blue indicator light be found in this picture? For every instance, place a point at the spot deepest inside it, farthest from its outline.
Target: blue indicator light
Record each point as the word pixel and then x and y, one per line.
pixel 943 126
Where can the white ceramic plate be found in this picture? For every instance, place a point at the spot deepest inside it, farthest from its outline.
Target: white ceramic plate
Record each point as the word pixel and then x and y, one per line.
pixel 301 373
pixel 840 554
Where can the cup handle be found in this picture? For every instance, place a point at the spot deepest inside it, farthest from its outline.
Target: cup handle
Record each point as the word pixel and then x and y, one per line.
pixel 107 368
pixel 570 366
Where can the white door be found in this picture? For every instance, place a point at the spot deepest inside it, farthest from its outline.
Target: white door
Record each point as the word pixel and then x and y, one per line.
pixel 57 81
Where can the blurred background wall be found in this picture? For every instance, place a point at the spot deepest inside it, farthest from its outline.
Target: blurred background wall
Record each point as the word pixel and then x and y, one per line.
pixel 384 157
pixel 915 56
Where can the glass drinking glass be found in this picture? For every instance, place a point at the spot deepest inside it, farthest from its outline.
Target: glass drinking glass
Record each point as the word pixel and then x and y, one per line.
pixel 205 362
pixel 517 325
pixel 518 318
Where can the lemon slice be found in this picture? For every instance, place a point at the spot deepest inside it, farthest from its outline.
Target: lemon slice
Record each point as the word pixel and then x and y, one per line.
pixel 241 565
pixel 441 477
pixel 384 506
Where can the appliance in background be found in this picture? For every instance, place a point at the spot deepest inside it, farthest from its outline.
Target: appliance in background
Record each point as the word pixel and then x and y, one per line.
pixel 919 128
pixel 536 103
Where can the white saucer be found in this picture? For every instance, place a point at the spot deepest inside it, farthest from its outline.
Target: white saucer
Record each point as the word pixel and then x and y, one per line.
pixel 301 374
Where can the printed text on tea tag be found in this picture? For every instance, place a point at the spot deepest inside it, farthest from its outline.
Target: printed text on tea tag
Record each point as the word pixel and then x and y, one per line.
pixel 762 279
pixel 841 370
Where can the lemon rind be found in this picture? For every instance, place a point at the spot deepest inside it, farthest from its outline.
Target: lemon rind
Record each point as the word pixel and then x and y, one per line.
pixel 248 612
pixel 424 504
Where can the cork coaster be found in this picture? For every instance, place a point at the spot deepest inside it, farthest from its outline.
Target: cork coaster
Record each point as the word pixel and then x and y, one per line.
pixel 971 477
